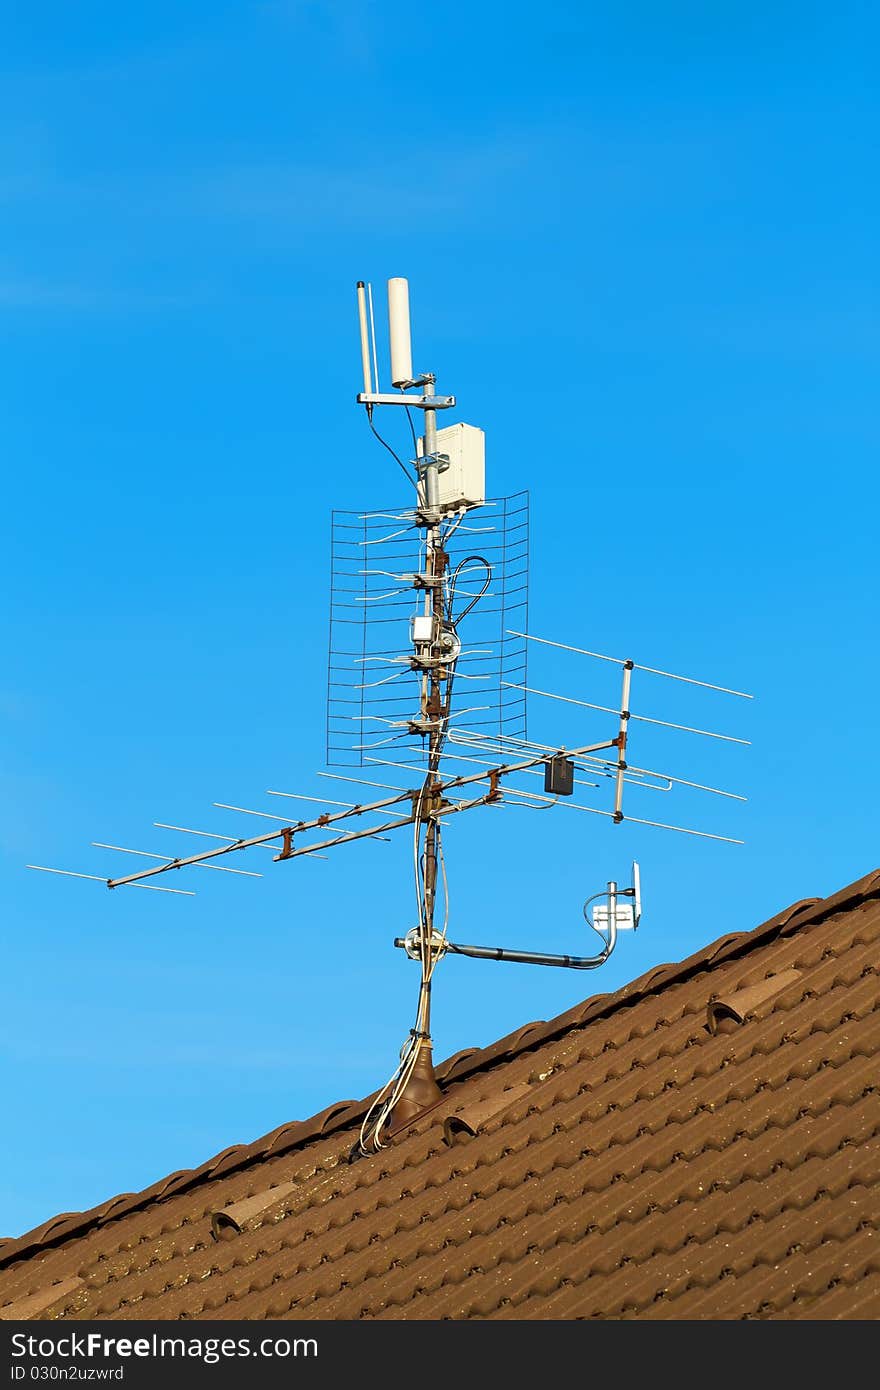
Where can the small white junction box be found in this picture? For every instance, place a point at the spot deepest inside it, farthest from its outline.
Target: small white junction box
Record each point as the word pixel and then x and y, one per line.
pixel 624 916
pixel 463 482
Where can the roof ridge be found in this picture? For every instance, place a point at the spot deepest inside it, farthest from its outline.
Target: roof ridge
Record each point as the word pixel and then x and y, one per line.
pixel 293 1134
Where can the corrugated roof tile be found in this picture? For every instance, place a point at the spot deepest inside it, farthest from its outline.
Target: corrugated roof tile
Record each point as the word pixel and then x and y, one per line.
pixel 32 1305
pixel 626 1163
pixel 747 999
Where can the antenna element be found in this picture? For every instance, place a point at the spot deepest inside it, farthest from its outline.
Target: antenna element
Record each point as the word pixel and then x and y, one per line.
pixel 365 340
pixel 399 332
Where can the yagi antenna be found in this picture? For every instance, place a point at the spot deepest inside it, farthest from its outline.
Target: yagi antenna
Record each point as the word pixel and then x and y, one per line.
pixel 429 626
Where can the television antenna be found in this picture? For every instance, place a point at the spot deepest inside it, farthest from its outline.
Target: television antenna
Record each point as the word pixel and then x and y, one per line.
pixel 410 578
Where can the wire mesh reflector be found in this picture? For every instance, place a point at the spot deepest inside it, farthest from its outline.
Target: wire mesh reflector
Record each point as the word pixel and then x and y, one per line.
pixel 372 691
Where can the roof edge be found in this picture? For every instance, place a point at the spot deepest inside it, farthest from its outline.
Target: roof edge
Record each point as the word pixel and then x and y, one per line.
pixel 292 1135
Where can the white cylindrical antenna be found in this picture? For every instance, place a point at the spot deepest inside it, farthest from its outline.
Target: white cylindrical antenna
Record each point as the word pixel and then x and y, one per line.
pixel 365 341
pixel 373 336
pixel 399 332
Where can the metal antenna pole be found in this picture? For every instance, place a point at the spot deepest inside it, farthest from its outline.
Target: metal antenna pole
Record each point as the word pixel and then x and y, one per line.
pixel 621 741
pixel 431 483
pixel 438 713
pixel 612 904
pixel 421 1089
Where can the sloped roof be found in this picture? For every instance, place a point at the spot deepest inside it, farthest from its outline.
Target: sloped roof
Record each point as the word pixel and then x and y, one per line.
pixel 703 1143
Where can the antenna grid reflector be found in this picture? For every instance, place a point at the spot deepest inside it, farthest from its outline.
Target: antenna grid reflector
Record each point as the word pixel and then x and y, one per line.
pixel 378 557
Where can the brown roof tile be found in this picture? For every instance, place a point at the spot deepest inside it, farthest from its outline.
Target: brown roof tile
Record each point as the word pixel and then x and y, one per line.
pixel 622 1160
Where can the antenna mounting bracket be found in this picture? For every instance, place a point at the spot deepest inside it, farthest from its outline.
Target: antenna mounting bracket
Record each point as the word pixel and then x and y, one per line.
pixel 427 803
pixel 419 402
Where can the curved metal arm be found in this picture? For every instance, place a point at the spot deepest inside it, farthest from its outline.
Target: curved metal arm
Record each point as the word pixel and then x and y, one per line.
pixel 529 957
pixel 611 939
pixel 411 943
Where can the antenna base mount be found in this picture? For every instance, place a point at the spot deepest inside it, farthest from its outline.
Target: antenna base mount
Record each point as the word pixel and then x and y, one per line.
pixel 421 1091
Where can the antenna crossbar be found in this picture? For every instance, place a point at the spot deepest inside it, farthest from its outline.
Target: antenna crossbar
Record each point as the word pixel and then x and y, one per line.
pixel 288 831
pixel 419 402
pixel 641 718
pixel 167 858
pixel 205 834
pixel 96 878
pixel 492 795
pixel 618 661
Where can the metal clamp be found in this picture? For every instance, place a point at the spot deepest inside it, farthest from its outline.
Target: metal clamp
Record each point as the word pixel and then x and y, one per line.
pixel 424 461
pixel 412 944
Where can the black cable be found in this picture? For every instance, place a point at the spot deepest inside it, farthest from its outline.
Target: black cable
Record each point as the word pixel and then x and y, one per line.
pixel 467 559
pixel 387 446
pixel 450 681
pixel 450 670
pixel 412 430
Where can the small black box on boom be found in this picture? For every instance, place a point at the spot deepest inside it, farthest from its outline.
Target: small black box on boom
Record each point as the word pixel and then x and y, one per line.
pixel 559 776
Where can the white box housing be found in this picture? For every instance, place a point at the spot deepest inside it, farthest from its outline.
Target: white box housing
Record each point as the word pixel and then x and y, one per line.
pixel 463 483
pixel 624 916
pixel 421 628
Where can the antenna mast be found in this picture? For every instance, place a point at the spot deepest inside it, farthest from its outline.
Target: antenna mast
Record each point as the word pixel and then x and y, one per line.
pixel 417 1087
pixel 449 481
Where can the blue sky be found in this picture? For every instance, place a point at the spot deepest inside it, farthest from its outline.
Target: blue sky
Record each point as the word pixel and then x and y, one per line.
pixel 641 243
